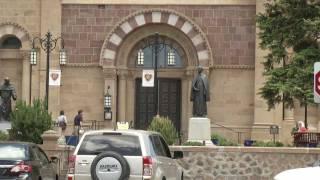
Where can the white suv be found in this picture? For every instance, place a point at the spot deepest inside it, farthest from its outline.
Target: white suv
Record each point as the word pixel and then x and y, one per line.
pixel 123 155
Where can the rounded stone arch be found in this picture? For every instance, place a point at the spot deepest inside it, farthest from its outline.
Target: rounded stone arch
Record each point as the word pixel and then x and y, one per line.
pixel 110 47
pixel 131 43
pixel 9 28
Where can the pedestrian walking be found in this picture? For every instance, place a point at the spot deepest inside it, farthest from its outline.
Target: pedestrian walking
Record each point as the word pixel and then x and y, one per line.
pixel 77 122
pixel 62 122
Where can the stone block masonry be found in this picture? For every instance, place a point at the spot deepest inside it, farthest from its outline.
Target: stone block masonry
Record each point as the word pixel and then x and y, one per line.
pixel 229 29
pixel 242 163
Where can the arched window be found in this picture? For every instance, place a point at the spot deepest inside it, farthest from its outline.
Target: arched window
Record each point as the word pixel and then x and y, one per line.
pixel 168 57
pixel 10 42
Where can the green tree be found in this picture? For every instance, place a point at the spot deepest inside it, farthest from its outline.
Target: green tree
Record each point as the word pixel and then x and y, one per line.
pixel 165 127
pixel 30 121
pixel 290 30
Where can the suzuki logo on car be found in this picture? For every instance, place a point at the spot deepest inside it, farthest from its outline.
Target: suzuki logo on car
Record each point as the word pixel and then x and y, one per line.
pixel 108 167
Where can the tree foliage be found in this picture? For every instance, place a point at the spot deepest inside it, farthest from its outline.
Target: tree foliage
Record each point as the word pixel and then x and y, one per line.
pixel 290 30
pixel 29 122
pixel 165 127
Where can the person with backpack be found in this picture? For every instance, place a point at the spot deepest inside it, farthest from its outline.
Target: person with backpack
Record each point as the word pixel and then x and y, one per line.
pixel 62 122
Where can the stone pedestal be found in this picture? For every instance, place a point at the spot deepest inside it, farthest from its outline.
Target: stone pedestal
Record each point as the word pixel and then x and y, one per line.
pixel 50 139
pixel 199 130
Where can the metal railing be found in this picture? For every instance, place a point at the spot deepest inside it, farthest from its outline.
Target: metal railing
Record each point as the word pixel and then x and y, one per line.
pixel 238 133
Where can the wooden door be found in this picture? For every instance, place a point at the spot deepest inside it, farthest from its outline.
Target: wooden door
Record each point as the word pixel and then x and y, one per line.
pixel 169 102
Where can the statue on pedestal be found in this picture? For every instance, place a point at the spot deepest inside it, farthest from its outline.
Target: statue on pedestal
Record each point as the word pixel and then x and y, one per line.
pixel 200 94
pixel 7 91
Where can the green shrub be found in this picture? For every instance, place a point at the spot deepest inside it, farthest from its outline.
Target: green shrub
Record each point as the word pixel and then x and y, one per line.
pixel 192 143
pixel 267 144
pixel 29 122
pixel 165 127
pixel 4 136
pixel 222 141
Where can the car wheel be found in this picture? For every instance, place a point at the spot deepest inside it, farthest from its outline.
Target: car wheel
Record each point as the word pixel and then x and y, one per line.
pixel 110 165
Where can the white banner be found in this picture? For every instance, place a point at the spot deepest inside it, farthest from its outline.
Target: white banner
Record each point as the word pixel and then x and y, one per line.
pixel 148 78
pixel 54 77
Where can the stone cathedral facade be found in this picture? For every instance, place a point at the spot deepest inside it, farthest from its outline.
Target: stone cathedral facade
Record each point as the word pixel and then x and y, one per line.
pixel 110 42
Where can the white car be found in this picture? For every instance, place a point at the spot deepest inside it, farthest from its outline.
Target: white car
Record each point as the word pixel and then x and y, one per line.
pixel 309 173
pixel 123 155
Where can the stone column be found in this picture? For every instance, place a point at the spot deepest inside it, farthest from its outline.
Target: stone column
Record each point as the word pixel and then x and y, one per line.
pixel 186 104
pixel 130 92
pixel 262 117
pixel 286 126
pixel 122 98
pixel 25 88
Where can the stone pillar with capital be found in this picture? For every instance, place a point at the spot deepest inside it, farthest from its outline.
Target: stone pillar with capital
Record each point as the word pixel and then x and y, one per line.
pixel 122 75
pixel 186 111
pixel 263 118
pixel 25 91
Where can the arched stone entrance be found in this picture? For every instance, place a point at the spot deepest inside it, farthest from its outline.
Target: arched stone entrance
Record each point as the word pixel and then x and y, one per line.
pixel 117 57
pixel 14 62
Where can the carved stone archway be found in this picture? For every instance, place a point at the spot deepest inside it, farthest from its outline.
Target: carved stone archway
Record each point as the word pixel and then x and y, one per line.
pixel 117 48
pixel 146 17
pixel 10 28
pixel 22 55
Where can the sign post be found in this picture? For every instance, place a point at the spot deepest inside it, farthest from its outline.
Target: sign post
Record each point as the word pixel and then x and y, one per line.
pixel 316 87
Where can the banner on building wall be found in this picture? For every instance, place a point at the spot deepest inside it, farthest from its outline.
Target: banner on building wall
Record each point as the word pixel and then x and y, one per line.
pixel 54 77
pixel 148 78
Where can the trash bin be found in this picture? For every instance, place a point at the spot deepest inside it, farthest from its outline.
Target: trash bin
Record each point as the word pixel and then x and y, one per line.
pixel 72 140
pixel 248 142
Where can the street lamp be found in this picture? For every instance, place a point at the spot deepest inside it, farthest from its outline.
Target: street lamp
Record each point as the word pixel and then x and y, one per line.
pixel 48 44
pixel 107 105
pixel 157 47
pixel 33 62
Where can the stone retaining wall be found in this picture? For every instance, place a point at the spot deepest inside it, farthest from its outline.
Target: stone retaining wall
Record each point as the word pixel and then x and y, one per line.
pixel 242 163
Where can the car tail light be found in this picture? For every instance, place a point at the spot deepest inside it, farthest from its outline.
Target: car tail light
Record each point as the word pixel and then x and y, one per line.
pixel 147 166
pixel 72 163
pixel 22 167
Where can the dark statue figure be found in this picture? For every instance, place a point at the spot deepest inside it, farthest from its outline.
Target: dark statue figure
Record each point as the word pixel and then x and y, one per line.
pixel 200 94
pixel 7 91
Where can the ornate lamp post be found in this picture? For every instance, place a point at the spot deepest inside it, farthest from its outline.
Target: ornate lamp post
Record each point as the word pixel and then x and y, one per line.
pixel 48 44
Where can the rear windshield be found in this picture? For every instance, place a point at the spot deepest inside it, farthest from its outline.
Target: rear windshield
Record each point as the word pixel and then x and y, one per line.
pixel 125 145
pixel 13 152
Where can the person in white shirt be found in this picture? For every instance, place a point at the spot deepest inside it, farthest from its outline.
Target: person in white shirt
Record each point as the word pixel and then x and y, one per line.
pixel 62 122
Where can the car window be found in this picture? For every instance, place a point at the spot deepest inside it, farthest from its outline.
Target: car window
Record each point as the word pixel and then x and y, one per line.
pixel 126 145
pixel 165 146
pixel 157 146
pixel 41 155
pixel 13 152
pixel 33 155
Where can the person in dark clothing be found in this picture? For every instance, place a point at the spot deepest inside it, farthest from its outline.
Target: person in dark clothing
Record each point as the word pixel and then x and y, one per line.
pixel 77 122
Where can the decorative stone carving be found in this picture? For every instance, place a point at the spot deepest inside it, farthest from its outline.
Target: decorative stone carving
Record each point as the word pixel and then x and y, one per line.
pixel 198 37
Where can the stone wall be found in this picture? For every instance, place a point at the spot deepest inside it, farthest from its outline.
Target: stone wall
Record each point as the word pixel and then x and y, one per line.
pixel 229 29
pixel 24 13
pixel 82 88
pixel 242 163
pixel 232 100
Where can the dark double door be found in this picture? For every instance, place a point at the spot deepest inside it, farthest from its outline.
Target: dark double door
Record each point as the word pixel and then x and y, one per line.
pixel 169 102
